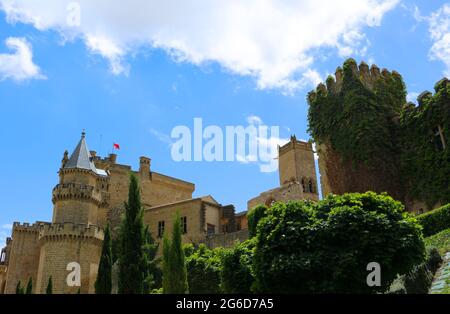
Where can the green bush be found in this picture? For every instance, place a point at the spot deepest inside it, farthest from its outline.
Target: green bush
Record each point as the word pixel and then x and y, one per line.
pixel 236 274
pixel 418 281
pixel 434 260
pixel 325 247
pixel 435 221
pixel 203 268
pixel 254 216
pixel 440 241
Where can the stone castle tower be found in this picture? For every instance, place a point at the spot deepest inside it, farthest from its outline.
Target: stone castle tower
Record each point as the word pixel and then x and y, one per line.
pixel 80 203
pixel 296 164
pixel 297 173
pixel 91 193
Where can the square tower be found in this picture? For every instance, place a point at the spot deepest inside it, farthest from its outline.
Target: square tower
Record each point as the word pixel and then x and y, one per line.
pixel 296 164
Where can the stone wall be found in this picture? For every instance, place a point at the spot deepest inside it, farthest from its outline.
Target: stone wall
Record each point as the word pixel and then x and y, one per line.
pixel 197 211
pixel 226 239
pixel 62 244
pixel 291 191
pixel 3 269
pixel 24 256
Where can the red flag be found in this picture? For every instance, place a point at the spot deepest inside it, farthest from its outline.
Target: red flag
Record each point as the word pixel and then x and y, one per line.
pixel 116 146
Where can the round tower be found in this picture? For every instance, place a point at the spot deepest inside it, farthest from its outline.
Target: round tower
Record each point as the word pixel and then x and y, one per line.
pixel 70 246
pixel 81 195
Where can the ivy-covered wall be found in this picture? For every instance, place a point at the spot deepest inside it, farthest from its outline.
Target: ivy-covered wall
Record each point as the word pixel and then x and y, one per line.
pixel 370 139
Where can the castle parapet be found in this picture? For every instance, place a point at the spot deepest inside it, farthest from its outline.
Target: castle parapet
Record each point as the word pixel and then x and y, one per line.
pixel 66 191
pixel 367 76
pixel 59 232
pixel 26 227
pixel 294 143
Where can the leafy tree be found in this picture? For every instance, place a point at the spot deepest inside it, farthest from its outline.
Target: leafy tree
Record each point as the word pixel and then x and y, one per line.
pixel 132 243
pixel 325 247
pixel 237 270
pixel 49 289
pixel 203 269
pixel 153 275
pixel 103 284
pixel 174 267
pixel 254 216
pixel 29 286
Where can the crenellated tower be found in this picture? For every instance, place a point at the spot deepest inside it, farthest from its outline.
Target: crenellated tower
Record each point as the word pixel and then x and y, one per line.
pixel 81 196
pixel 80 201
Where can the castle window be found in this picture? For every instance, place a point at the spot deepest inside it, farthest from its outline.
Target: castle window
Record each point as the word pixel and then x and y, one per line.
pixel 184 224
pixel 161 226
pixel 311 186
pixel 439 139
pixel 211 229
pixel 303 184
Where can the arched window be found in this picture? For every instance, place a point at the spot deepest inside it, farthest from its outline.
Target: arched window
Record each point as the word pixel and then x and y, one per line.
pixel 270 201
pixel 311 186
pixel 304 185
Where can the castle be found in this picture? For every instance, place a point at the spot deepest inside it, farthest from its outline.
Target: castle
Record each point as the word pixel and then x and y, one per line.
pixel 91 193
pixel 369 137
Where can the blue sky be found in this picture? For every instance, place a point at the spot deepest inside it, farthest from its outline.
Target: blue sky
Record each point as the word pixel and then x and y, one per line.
pixel 132 80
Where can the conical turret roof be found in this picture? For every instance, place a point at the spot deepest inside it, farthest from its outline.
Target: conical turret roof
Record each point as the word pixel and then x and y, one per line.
pixel 81 158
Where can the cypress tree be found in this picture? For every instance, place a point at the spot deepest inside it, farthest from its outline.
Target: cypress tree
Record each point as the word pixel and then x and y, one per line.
pixel 19 289
pixel 152 274
pixel 131 256
pixel 49 289
pixel 174 273
pixel 103 284
pixel 29 286
pixel 166 265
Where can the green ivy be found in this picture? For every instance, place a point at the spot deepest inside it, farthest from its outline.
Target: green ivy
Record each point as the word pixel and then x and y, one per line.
pixel 435 221
pixel 391 146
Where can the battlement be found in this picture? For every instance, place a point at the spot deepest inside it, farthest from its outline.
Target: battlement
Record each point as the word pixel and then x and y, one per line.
pixel 70 231
pixel 67 191
pixel 426 95
pixel 26 227
pixel 367 76
pixel 294 143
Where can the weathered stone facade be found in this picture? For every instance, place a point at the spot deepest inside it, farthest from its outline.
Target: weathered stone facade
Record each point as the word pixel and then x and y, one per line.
pixel 297 173
pixel 91 192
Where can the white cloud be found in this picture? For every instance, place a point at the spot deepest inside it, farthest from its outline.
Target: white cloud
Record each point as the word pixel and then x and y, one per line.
pixel 254 120
pixel 5 231
pixel 439 27
pixel 18 65
pixel 412 96
pixel 270 40
pixel 162 137
pixel 7 227
pixel 267 147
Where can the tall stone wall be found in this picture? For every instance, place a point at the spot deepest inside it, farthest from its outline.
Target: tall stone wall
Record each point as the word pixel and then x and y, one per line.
pixel 198 214
pixel 24 256
pixel 226 240
pixel 62 244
